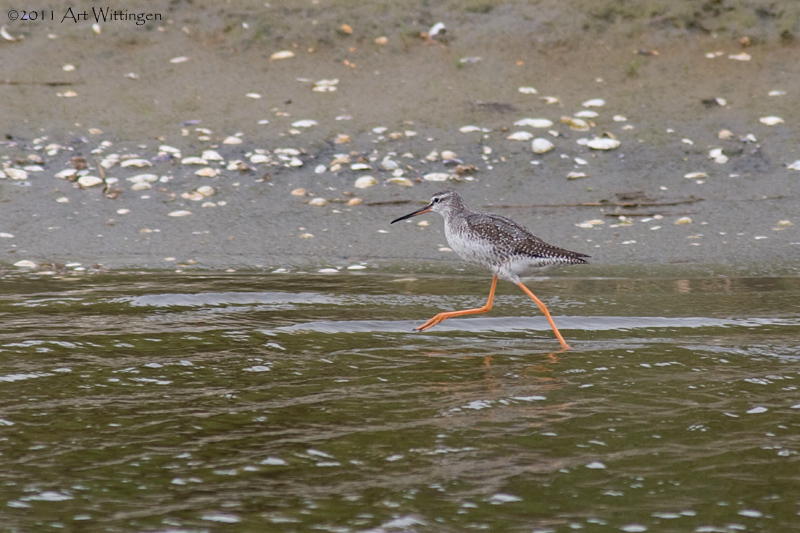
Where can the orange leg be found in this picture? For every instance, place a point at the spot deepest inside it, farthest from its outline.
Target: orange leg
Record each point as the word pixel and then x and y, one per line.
pixel 564 345
pixel 444 316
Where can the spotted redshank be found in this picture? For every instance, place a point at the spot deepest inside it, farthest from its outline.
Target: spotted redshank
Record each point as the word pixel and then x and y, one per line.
pixel 498 243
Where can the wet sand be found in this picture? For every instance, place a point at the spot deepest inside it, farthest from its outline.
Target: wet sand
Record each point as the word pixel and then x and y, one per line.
pixel 131 96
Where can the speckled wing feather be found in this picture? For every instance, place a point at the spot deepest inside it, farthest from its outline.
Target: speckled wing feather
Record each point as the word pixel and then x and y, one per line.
pixel 515 239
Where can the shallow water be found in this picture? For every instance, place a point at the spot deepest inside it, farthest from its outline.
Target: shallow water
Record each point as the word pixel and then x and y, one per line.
pixel 290 402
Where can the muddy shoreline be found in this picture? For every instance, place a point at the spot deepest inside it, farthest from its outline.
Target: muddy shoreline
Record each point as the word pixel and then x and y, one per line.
pixel 190 83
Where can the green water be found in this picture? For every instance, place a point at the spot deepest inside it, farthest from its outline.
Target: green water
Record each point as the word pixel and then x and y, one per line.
pixel 290 402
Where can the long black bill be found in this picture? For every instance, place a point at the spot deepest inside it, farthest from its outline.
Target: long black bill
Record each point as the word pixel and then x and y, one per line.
pixel 425 209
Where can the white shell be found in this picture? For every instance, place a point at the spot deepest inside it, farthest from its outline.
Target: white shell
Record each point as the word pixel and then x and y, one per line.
pixel 436 176
pixel 541 146
pixel 595 102
pixel 259 158
pixel 364 182
pixel 207 172
pixel 683 220
pixel 527 90
pixel 140 186
pixel 25 264
pixel 304 123
pixel 360 166
pixel 16 174
pixel 448 154
pixel 770 121
pixel 194 161
pixel 436 29
pixel 140 178
pixel 405 182
pixel 695 175
pixel 603 143
pixel 283 54
pixel 468 129
pixel 211 155
pixel 206 190
pixel 181 213
pixel 89 181
pixel 136 163
pixel 287 151
pixel 66 173
pixel 320 169
pixel 389 164
pixel 520 136
pixel 319 202
pixel 794 166
pixel 744 56
pixel 586 113
pixel 534 122
pixel 232 140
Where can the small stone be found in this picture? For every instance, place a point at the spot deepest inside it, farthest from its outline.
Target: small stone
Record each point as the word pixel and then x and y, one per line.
pixel 683 220
pixel 25 264
pixel 725 135
pixel 232 140
pixel 319 202
pixel 205 190
pixel 448 154
pixel 299 192
pixel 180 213
pixel 436 176
pixel 211 155
pixel 354 201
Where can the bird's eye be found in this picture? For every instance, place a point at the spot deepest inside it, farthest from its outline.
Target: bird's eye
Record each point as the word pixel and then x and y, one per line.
pixel 436 200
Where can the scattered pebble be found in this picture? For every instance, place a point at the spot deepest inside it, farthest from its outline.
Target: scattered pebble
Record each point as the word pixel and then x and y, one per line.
pixel 744 56
pixel 25 264
pixel 319 202
pixel 298 192
pixel 794 166
pixel 527 90
pixel 683 220
pixel 180 213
